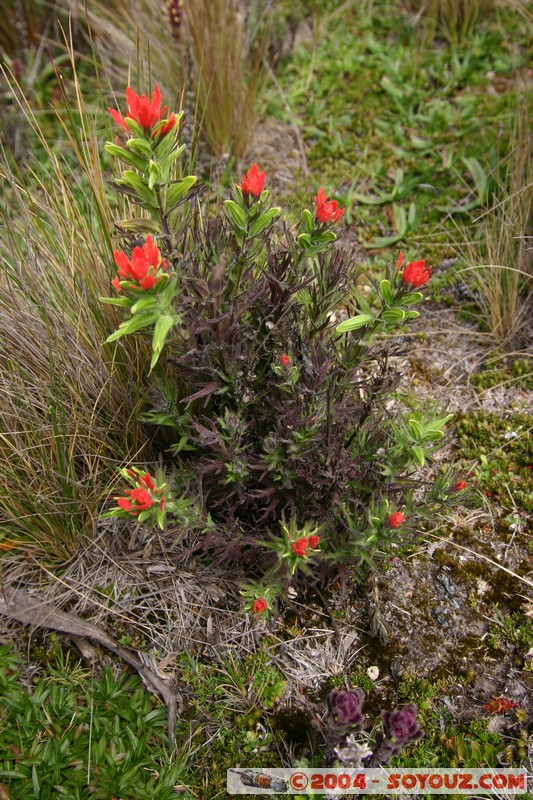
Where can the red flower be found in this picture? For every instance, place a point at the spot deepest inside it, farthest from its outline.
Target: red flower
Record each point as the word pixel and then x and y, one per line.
pixel 138 500
pixel 458 486
pixel 299 547
pixel 314 541
pixel 395 520
pixel 147 113
pixel 285 360
pixel 146 480
pixel 327 210
pixel 143 269
pixel 260 604
pixel 253 181
pixel 142 498
pixel 415 273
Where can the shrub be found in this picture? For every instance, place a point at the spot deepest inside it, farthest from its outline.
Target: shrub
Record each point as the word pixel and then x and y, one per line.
pixel 273 416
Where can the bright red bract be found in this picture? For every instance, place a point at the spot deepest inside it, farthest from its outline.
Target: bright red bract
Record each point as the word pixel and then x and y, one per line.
pixel 299 547
pixel 327 210
pixel 415 273
pixel 260 604
pixel 395 520
pixel 143 270
pixel 145 112
pixel 253 181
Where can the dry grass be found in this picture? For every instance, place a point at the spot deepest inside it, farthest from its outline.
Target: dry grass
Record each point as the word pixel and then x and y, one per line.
pixel 228 53
pixel 68 401
pixel 133 37
pixel 453 19
pixel 456 19
pixel 500 264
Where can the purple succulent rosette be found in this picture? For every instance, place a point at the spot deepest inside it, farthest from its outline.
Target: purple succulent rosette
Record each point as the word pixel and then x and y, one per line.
pixel 400 726
pixel 345 708
pixel 344 718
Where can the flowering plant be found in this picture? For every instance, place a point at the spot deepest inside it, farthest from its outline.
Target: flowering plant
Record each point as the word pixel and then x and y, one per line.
pixel 269 410
pixel 147 500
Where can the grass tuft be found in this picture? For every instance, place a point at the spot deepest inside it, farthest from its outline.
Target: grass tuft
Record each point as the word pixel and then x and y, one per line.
pixel 68 401
pixel 501 263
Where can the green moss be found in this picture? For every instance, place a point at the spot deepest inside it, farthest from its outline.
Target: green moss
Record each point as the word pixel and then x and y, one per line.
pixel 502 448
pixel 519 374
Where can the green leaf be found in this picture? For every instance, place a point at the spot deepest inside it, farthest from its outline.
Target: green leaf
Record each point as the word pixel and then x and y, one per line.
pixel 416 429
pixel 412 298
pixel 308 221
pixel 237 215
pixel 140 225
pixel 134 127
pixel 411 315
pixel 354 323
pixel 130 158
pixel 177 191
pixel 35 782
pixel 147 303
pixel 481 178
pixel 169 160
pixel 325 237
pixel 385 289
pixel 138 184
pixel 304 240
pixel 140 146
pixel 419 455
pixel 131 325
pixel 161 331
pixel 393 316
pixel 400 219
pixel 154 174
pixel 263 221
pixel 124 302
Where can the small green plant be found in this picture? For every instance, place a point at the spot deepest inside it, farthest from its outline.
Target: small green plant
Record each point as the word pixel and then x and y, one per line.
pixel 274 411
pixel 503 471
pixel 73 738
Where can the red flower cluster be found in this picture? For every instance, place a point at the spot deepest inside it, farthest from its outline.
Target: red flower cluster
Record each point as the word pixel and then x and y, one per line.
pixel 143 269
pixel 395 520
pixel 415 273
pixel 301 546
pixel 327 210
pixel 142 497
pixel 146 113
pixel 260 604
pixel 253 181
pixel 285 360
pixel 458 486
